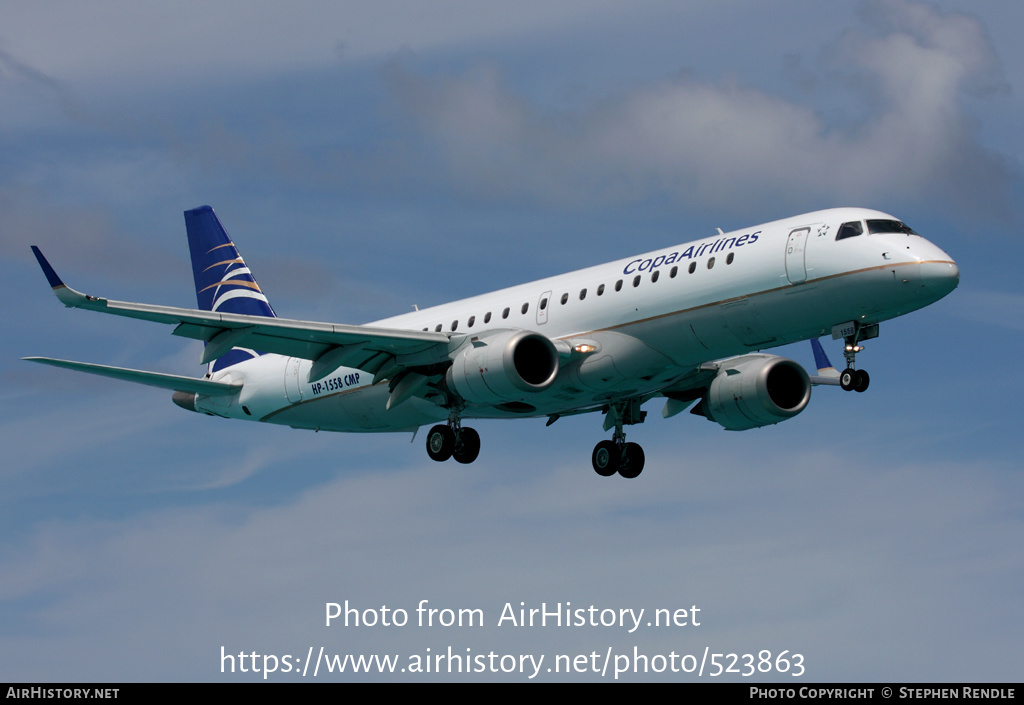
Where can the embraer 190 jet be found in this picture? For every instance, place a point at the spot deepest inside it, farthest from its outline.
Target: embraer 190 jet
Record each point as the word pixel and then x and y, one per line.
pixel 683 323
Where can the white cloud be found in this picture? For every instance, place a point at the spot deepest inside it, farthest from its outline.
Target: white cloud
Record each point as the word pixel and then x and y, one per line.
pixel 190 39
pixel 792 550
pixel 704 143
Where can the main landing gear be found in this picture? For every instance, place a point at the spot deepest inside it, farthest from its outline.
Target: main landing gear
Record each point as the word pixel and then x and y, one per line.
pixel 453 441
pixel 617 456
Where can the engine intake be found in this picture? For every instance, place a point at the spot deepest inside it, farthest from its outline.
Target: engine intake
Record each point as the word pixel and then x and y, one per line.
pixel 507 366
pixel 757 390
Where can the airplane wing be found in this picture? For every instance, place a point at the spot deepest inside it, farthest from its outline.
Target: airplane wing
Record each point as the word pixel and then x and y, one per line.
pixel 329 345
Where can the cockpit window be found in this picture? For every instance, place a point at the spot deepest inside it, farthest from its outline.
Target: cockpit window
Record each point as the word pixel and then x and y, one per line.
pixel 851 229
pixel 888 226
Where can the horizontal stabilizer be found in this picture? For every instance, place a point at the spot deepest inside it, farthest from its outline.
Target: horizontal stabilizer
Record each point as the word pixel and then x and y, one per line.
pixel 152 379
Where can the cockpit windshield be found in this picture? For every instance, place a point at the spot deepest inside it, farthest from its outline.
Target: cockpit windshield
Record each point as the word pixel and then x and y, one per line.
pixel 876 227
pixel 851 229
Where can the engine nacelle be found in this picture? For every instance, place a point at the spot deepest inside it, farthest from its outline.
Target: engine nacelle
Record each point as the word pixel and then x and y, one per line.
pixel 507 366
pixel 756 390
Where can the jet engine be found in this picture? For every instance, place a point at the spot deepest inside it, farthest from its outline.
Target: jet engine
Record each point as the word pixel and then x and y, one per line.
pixel 506 366
pixel 756 390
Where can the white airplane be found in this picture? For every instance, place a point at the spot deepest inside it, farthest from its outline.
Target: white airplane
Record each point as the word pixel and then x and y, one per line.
pixel 682 323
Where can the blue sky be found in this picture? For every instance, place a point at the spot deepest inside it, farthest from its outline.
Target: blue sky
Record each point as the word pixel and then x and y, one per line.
pixel 369 157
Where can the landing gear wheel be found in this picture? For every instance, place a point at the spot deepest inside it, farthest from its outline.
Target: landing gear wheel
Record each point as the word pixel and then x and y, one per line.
pixel 440 443
pixel 848 379
pixel 631 464
pixel 605 458
pixel 467 446
pixel 861 382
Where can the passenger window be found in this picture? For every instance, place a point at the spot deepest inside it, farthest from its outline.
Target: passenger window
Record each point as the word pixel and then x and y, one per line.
pixel 471 321
pixel 693 267
pixel 851 229
pixel 565 299
pixel 438 328
pixel 543 303
pixel 526 307
pixel 729 258
pixel 711 263
pixel 654 276
pixel 504 314
pixel 673 273
pixel 583 294
pixel 487 317
pixel 618 285
pixel 600 290
pixel 636 280
pixel 455 324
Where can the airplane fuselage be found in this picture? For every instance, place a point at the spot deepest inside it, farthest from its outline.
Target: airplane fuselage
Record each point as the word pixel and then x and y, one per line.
pixel 629 328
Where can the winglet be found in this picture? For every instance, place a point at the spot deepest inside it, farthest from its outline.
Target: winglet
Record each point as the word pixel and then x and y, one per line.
pixel 821 360
pixel 827 374
pixel 68 296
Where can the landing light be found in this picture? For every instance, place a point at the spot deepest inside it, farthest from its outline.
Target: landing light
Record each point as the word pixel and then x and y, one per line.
pixel 584 348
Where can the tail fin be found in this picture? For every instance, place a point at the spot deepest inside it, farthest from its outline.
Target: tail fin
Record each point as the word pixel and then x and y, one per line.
pixel 223 281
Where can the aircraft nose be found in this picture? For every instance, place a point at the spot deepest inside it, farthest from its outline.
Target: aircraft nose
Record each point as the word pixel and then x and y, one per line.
pixel 940 278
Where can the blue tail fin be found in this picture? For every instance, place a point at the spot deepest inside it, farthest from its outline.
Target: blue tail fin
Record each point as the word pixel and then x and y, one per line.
pixel 223 281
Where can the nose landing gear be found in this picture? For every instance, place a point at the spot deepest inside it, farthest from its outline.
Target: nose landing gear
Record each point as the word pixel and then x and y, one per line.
pixel 852 379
